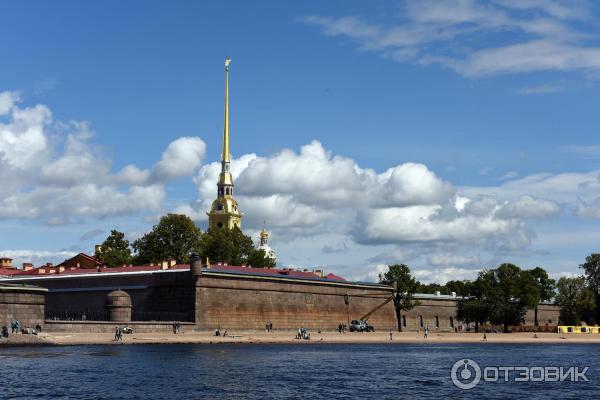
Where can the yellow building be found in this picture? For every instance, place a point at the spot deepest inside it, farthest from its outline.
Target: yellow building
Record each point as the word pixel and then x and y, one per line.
pixel 578 329
pixel 224 212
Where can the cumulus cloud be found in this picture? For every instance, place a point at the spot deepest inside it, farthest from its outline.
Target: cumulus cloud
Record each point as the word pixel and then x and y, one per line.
pixel 447 32
pixel 312 191
pixel 51 171
pixel 182 158
pixel 443 275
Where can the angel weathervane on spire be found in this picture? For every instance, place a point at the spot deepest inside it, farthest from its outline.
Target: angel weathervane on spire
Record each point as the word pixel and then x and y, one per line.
pixel 227 62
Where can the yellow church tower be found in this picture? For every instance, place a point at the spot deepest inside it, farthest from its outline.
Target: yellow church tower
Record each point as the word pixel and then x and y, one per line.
pixel 224 212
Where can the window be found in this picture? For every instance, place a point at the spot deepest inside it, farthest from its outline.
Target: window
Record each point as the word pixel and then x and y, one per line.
pixel 437 322
pixel 451 322
pixel 404 321
pixel 420 321
pixel 220 224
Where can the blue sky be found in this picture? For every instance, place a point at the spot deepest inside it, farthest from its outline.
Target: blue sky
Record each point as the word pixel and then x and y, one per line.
pixel 493 102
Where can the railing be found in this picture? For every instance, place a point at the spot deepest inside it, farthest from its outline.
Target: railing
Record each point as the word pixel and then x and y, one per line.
pixel 70 315
pixel 102 315
pixel 162 316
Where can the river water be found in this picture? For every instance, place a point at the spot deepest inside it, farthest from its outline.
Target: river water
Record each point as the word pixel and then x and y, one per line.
pixel 311 371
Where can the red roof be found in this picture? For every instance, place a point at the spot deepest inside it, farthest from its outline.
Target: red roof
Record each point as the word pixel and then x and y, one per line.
pixel 142 268
pixel 9 271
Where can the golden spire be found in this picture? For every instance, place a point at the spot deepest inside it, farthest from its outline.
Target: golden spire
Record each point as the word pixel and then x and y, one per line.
pixel 225 155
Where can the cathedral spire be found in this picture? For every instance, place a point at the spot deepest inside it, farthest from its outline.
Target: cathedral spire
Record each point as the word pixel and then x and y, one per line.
pixel 225 155
pixel 224 212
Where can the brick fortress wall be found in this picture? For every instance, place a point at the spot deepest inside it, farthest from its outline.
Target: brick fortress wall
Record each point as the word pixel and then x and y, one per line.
pixel 23 304
pixel 233 302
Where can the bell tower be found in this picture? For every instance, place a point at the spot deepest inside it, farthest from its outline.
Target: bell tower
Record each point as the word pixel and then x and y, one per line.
pixel 224 212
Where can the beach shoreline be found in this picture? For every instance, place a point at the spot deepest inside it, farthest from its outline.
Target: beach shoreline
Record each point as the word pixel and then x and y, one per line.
pixel 288 337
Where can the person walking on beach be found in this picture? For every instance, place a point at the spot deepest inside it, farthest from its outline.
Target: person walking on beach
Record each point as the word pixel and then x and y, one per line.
pixel 390 335
pixel 426 332
pixel 117 330
pixel 484 337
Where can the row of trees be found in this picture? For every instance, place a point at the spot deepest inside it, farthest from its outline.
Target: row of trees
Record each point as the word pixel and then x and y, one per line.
pixel 176 237
pixel 501 296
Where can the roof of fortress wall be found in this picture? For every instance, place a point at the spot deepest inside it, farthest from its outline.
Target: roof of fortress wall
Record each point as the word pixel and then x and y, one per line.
pixel 9 271
pixel 284 273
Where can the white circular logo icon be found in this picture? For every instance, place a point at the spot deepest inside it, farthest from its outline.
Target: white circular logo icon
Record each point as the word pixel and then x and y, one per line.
pixel 465 374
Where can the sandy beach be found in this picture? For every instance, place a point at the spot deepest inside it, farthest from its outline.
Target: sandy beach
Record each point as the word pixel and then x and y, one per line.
pixel 69 338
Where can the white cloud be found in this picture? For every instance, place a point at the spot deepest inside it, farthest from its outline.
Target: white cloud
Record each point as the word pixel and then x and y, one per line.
pixel 36 257
pixel 559 9
pixel 449 259
pixel 509 175
pixel 314 191
pixel 541 38
pixel 7 101
pixel 589 209
pixel 542 89
pixel 528 207
pixel 567 187
pixel 443 275
pixel 182 158
pixel 51 171
pixel 23 144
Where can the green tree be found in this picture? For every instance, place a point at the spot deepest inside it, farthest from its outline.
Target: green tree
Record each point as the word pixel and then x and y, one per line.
pixel 509 292
pixel 476 306
pixel 591 267
pixel 174 237
pixel 258 259
pixel 405 286
pixel 545 288
pixel 461 288
pixel 115 250
pixel 576 301
pixel 230 246
pixel 432 288
pixel 474 310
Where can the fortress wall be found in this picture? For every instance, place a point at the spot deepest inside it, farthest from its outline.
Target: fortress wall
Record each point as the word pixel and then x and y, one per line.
pixel 232 301
pixel 23 304
pixel 250 303
pixel 428 310
pixel 547 315
pixel 163 296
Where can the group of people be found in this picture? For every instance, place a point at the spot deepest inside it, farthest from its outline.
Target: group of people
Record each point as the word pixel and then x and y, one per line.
pixel 269 327
pixel 341 328
pixel 176 327
pixel 15 327
pixel 118 334
pixel 218 332
pixel 303 334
